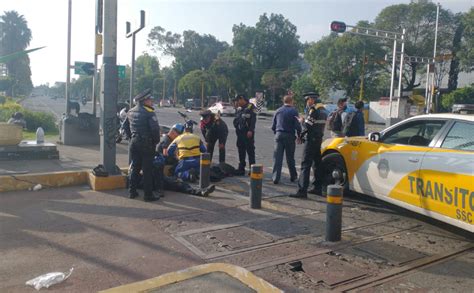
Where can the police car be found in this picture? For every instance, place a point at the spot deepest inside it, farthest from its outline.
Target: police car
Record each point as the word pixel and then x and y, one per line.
pixel 424 164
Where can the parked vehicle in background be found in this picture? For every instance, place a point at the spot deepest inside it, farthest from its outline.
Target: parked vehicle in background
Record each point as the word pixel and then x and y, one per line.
pixel 222 108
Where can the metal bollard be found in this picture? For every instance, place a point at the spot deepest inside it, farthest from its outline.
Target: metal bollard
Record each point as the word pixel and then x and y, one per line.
pixel 205 171
pixel 256 176
pixel 334 213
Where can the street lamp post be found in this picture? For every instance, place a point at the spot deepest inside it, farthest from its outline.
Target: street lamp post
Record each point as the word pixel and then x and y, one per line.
pixel 128 35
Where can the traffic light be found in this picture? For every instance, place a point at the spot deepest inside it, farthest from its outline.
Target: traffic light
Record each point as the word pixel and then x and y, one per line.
pixel 338 26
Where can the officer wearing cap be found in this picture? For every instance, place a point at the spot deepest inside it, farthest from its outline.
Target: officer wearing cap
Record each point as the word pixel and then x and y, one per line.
pixel 244 123
pixel 313 125
pixel 214 129
pixel 143 129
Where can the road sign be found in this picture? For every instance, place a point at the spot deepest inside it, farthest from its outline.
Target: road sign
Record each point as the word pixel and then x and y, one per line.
pixel 121 71
pixel 83 68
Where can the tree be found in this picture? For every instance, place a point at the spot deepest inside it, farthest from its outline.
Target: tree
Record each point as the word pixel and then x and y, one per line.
pixel 272 43
pixel 418 18
pixel 147 69
pixel 466 55
pixel 191 51
pixel 342 62
pixel 456 47
pixel 278 81
pixel 233 74
pixel 16 36
pixel 460 96
pixel 192 83
pixel 301 85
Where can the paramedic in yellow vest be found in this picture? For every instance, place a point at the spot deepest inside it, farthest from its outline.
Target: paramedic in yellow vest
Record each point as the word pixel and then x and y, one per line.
pixel 187 148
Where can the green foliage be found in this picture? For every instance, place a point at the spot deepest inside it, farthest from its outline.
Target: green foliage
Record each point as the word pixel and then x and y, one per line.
pixel 418 18
pixel 233 74
pixel 3 99
pixel 191 51
pixel 33 119
pixel 272 43
pixel 460 96
pixel 340 63
pixel 82 87
pixel 40 119
pixel 299 86
pixel 16 36
pixel 466 55
pixel 191 84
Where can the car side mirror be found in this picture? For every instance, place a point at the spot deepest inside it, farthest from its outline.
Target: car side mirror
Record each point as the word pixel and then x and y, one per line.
pixel 374 136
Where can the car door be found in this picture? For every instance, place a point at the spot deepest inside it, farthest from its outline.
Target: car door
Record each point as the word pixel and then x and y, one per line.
pixel 447 176
pixel 395 164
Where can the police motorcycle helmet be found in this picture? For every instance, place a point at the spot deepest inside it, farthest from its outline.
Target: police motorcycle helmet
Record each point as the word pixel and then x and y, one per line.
pixel 205 113
pixel 178 128
pixel 146 94
pixel 312 95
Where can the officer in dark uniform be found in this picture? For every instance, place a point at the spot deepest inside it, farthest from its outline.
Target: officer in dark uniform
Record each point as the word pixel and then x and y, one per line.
pixel 214 129
pixel 143 129
pixel 313 125
pixel 244 123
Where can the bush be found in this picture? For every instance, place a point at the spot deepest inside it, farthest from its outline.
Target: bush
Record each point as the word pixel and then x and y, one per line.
pixel 463 95
pixel 40 119
pixel 33 119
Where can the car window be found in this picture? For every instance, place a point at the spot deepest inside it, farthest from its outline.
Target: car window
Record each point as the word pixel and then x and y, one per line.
pixel 419 132
pixel 460 137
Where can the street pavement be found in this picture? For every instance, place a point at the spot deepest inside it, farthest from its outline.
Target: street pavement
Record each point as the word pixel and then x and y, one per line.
pixel 111 240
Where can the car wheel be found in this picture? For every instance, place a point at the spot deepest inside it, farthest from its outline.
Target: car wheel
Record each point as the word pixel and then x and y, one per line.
pixel 334 163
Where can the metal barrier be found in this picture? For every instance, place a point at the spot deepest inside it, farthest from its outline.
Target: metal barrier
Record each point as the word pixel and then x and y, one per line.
pixel 334 213
pixel 205 171
pixel 256 177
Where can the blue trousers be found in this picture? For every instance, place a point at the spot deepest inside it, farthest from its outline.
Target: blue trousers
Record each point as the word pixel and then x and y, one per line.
pixel 184 165
pixel 284 143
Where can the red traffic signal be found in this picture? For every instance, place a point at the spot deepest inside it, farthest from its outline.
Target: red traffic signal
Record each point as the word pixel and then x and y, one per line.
pixel 338 26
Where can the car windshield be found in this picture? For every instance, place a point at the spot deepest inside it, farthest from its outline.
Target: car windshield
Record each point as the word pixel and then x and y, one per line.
pixel 419 132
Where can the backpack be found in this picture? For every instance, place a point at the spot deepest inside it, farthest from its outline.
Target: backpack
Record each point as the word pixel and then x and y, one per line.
pixel 335 121
pixel 350 124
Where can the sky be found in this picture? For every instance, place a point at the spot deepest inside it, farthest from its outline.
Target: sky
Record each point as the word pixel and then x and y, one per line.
pixel 47 20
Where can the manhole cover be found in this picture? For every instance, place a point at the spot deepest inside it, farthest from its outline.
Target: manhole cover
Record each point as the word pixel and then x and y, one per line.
pixel 390 252
pixel 238 238
pixel 330 270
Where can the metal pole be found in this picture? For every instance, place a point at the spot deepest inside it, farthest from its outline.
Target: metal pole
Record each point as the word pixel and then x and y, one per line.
pixel 205 171
pixel 402 57
pixel 174 93
pixel 164 87
pixel 256 177
pixel 109 92
pixel 433 80
pixel 334 213
pixel 392 81
pixel 132 74
pixel 94 85
pixel 68 74
pixel 202 94
pixel 427 90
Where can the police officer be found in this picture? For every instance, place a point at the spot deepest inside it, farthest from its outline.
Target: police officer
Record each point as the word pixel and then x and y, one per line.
pixel 244 123
pixel 214 129
pixel 313 125
pixel 143 129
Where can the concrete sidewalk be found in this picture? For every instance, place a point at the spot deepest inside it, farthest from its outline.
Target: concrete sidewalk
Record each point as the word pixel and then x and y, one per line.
pixel 111 240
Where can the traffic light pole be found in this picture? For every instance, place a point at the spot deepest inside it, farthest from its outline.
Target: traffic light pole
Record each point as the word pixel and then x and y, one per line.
pixel 68 74
pixel 129 34
pixel 341 27
pixel 109 92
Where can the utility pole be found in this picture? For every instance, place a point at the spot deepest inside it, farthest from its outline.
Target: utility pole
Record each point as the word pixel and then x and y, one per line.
pixel 109 92
pixel 174 92
pixel 400 88
pixel 164 87
pixel 99 14
pixel 202 94
pixel 68 74
pixel 129 34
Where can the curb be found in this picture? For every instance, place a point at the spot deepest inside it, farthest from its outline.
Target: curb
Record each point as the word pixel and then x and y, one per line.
pixel 239 273
pixel 49 180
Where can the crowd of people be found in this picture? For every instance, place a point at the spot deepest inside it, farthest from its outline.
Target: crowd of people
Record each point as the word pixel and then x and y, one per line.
pixel 180 148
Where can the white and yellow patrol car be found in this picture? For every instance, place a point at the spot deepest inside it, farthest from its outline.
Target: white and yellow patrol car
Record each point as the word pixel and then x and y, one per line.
pixel 424 164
